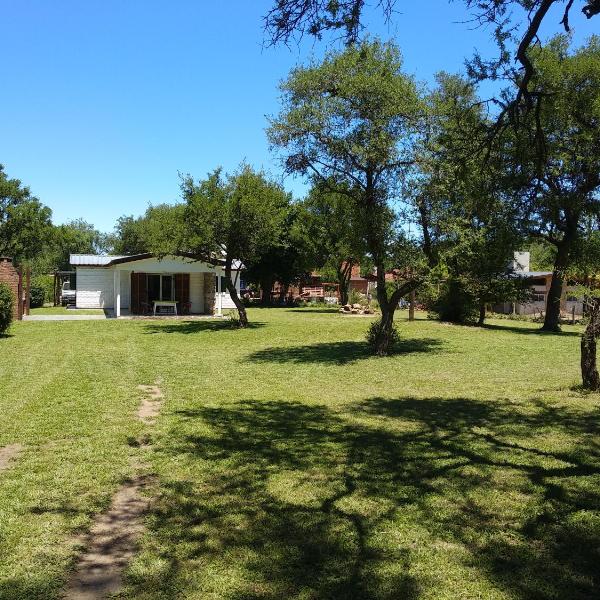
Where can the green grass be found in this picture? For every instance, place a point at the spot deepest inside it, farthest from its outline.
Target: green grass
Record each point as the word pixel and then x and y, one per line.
pixel 289 463
pixel 63 310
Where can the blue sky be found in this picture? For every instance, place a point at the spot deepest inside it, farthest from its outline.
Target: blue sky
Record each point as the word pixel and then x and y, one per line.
pixel 104 102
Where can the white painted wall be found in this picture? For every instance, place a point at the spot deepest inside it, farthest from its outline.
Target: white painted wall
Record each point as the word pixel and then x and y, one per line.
pixel 227 302
pixel 197 292
pixel 125 289
pixel 95 288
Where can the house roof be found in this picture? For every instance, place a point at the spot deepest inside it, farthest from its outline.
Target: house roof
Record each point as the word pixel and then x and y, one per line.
pixel 529 274
pixel 96 260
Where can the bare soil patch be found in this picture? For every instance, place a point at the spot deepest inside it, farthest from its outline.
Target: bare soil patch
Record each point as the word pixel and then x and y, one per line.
pixel 151 403
pixel 110 544
pixel 8 454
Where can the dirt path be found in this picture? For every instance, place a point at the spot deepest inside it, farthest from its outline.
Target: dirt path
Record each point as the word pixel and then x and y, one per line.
pixel 110 545
pixel 112 540
pixel 151 403
pixel 8 454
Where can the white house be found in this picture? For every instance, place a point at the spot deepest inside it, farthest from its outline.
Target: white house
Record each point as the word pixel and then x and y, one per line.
pixel 144 284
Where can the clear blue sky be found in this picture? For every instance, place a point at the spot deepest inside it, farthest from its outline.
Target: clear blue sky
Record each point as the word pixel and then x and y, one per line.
pixel 103 102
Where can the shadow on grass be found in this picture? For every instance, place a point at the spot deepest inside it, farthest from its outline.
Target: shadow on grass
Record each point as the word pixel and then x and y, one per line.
pixel 391 499
pixel 187 327
pixel 529 330
pixel 308 310
pixel 339 353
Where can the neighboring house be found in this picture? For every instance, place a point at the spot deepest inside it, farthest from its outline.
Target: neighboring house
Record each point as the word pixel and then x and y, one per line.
pixel 134 284
pixel 539 282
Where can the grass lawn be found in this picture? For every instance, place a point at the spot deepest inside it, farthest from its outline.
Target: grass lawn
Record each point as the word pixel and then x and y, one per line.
pixel 63 310
pixel 289 463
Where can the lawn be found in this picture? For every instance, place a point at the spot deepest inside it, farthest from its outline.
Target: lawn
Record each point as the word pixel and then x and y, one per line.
pixel 63 310
pixel 288 463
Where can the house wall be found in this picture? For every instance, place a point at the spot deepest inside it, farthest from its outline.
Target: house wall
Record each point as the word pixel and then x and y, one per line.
pixel 125 290
pixel 95 287
pixel 197 292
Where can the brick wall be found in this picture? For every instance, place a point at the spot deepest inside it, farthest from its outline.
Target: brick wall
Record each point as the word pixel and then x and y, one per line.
pixel 9 275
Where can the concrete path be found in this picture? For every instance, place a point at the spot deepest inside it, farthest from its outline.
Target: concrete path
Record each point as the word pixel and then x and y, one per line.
pixel 64 317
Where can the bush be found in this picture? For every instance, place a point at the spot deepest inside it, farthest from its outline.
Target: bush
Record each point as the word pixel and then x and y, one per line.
pixel 7 302
pixel 37 296
pixel 454 304
pixel 46 282
pixel 375 333
pixel 355 297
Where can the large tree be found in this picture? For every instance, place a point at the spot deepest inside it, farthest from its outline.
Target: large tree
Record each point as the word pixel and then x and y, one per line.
pixel 229 218
pixel 25 225
pixel 355 118
pixel 332 231
pixel 468 222
pixel 515 25
pixel 558 190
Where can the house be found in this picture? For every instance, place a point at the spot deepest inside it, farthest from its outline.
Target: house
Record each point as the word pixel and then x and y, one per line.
pixel 145 284
pixel 539 283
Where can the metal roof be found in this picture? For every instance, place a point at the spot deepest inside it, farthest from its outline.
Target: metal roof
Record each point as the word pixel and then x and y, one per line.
pixel 96 260
pixel 91 260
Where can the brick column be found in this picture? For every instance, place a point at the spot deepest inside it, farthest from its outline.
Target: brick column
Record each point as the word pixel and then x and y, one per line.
pixel 209 293
pixel 10 276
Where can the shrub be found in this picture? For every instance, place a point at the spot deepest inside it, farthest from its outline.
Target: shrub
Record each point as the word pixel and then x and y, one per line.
pixel 355 297
pixel 37 296
pixel 375 332
pixel 46 282
pixel 454 304
pixel 6 307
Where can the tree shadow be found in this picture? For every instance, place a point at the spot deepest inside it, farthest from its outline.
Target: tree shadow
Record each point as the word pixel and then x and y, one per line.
pixel 198 326
pixel 301 501
pixel 338 353
pixel 530 330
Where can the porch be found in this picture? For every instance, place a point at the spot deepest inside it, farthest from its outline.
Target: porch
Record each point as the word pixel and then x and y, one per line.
pixel 152 294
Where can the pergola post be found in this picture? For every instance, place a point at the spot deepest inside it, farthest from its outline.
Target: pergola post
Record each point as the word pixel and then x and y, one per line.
pixel 117 285
pixel 219 296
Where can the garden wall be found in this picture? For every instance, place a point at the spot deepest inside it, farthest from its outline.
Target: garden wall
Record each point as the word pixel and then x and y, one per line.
pixel 10 276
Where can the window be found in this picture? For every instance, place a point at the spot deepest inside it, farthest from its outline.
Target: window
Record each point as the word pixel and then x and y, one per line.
pixel 160 287
pixel 538 298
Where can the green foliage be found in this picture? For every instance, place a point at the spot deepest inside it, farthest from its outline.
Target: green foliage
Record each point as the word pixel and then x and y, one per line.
pixel 455 303
pixel 237 214
pixel 24 221
pixel 355 297
pixel 376 332
pixel 37 295
pixel 541 255
pixel 6 307
pixel 46 283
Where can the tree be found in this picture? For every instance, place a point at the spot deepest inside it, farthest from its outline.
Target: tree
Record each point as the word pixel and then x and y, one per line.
pixel 355 118
pixel 466 217
pixel 285 260
pixel 331 229
pixel 75 237
pixel 558 192
pixel 232 218
pixel 515 25
pixel 129 236
pixel 24 221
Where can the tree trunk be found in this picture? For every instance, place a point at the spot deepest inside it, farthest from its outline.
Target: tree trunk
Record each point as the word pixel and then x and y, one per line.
pixel 589 368
pixel 266 286
pixel 552 318
pixel 234 296
pixel 344 272
pixel 411 306
pixel 283 293
pixel 481 320
pixel 383 341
